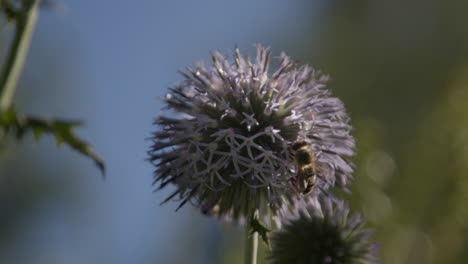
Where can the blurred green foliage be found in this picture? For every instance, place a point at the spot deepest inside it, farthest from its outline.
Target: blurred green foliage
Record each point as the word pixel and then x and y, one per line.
pixel 401 69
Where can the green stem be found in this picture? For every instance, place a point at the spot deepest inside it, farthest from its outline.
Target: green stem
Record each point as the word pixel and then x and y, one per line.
pixel 25 22
pixel 251 247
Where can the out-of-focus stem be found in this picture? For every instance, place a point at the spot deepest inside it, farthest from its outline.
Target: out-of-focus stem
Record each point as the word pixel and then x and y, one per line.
pixel 25 22
pixel 251 247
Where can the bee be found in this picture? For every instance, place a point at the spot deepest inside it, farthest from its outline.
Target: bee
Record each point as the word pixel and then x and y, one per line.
pixel 306 169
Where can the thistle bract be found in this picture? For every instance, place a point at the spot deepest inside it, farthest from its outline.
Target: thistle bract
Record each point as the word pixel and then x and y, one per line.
pixel 321 231
pixel 226 143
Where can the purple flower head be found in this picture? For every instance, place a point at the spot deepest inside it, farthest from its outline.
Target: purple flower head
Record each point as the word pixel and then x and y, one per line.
pixel 226 143
pixel 322 231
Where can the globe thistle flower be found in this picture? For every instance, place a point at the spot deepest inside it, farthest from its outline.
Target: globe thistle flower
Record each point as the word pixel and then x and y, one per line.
pixel 226 143
pixel 321 231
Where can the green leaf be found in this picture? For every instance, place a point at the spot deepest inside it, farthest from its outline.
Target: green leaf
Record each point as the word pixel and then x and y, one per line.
pixel 38 132
pixel 257 226
pixel 8 118
pixel 62 130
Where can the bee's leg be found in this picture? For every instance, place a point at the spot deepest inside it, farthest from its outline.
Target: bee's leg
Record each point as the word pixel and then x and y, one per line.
pixel 309 181
pixel 310 185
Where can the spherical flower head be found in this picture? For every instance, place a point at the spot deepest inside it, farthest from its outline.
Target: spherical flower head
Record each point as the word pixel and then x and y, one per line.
pixel 226 144
pixel 320 231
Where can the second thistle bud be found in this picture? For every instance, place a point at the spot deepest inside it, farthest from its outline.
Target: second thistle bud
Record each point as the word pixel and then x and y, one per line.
pixel 318 231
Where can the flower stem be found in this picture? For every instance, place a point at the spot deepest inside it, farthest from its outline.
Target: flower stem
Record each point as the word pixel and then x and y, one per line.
pixel 251 247
pixel 25 21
